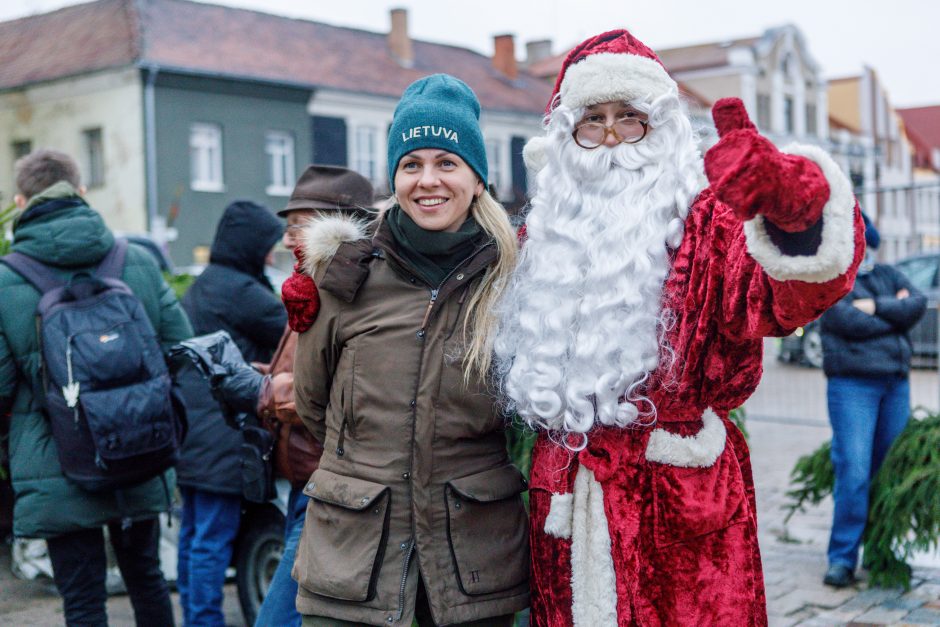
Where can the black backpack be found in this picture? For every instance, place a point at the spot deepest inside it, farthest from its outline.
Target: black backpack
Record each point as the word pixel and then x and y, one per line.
pixel 107 389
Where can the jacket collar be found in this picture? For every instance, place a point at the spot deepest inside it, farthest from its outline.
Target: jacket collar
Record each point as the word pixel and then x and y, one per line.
pixel 347 269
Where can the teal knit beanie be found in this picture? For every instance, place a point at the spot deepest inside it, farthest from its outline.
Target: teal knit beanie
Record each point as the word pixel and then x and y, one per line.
pixel 437 111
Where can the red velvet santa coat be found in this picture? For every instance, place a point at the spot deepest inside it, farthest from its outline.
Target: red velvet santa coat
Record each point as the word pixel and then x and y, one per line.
pixel 673 505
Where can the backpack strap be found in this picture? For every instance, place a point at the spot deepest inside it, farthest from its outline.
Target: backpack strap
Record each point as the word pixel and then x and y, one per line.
pixel 112 266
pixel 39 274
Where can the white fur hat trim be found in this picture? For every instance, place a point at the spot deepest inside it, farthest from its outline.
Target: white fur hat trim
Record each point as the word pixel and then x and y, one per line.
pixel 607 76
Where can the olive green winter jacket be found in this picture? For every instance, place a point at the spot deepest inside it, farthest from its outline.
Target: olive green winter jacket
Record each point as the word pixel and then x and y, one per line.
pixel 414 479
pixel 71 237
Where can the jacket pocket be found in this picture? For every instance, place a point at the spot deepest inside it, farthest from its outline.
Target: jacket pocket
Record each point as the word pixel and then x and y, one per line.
pixel 690 503
pixel 488 531
pixel 344 536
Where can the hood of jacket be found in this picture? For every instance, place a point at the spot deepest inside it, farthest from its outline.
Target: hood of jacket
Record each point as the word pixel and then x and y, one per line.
pixel 60 229
pixel 245 235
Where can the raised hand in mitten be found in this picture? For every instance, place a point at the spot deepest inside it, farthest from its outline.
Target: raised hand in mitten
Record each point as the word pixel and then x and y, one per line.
pixel 300 297
pixel 750 175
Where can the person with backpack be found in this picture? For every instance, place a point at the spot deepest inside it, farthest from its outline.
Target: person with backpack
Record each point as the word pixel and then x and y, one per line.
pixel 93 429
pixel 210 468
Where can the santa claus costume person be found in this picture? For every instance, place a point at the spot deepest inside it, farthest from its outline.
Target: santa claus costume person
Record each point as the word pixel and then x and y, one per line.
pixel 633 325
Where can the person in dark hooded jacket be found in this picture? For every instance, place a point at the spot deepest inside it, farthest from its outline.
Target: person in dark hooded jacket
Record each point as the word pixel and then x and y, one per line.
pixel 231 294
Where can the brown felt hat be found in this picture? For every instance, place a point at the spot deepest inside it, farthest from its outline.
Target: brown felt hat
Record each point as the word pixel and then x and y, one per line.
pixel 329 187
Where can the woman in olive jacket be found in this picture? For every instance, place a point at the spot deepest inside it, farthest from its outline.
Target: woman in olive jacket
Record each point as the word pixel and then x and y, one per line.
pixel 415 509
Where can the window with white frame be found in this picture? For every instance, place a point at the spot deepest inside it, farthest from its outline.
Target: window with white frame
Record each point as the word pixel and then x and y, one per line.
pixel 279 146
pixel 365 159
pixel 94 157
pixel 205 157
pixel 494 158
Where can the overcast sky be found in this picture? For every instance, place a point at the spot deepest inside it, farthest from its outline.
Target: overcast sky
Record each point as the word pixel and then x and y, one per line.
pixel 899 38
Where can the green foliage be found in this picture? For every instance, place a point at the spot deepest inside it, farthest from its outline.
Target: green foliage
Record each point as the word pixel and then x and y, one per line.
pixel 7 216
pixel 179 282
pixel 904 511
pixel 519 442
pixel 904 515
pixel 738 417
pixel 813 477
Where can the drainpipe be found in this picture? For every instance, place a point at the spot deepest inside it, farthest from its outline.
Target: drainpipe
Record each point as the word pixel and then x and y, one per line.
pixel 150 145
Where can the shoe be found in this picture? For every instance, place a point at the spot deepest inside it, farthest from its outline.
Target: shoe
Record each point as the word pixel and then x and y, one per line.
pixel 839 576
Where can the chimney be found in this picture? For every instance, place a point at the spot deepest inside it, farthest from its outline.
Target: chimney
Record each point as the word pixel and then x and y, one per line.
pixel 504 56
pixel 399 43
pixel 537 50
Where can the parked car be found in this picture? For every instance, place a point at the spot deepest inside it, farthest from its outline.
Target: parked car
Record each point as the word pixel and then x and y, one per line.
pixel 804 346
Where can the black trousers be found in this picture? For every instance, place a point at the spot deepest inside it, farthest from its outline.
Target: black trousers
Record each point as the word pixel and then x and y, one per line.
pixel 79 565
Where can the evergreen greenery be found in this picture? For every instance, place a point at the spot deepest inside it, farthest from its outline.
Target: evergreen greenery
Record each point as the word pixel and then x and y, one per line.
pixel 738 417
pixel 179 282
pixel 7 216
pixel 520 438
pixel 904 509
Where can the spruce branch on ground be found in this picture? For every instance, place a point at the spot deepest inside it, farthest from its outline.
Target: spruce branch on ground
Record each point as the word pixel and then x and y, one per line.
pixel 904 510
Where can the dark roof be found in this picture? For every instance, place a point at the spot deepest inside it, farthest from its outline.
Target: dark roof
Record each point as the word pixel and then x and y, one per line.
pixel 209 39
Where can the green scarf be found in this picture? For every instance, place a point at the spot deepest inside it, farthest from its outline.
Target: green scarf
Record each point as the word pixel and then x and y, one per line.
pixel 432 254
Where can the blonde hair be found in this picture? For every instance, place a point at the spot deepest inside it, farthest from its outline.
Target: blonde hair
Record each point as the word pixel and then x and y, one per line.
pixel 480 318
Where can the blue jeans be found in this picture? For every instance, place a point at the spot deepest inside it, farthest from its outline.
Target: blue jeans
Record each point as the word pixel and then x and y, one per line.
pixel 207 537
pixel 279 608
pixel 866 416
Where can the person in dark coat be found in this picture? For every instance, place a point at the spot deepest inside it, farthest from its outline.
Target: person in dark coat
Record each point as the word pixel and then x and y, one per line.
pixel 58 228
pixel 866 358
pixel 231 294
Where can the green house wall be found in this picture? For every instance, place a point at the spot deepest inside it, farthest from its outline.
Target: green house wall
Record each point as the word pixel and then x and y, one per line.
pixel 245 112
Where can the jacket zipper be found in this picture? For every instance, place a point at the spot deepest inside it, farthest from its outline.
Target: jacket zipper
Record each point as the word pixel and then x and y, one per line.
pixel 427 312
pixel 404 579
pixel 414 417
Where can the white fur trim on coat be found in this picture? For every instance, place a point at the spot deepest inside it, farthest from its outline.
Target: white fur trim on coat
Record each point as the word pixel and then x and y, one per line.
pixel 593 585
pixel 837 248
pixel 323 235
pixel 558 521
pixel 696 451
pixel 606 76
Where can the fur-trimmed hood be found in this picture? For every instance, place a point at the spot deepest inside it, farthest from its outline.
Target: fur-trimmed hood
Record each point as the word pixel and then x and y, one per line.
pixel 323 235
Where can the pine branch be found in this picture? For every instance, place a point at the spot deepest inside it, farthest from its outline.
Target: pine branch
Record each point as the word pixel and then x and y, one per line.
pixel 904 511
pixel 738 417
pixel 813 477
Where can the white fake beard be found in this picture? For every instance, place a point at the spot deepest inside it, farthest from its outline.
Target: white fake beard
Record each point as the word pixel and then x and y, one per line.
pixel 581 325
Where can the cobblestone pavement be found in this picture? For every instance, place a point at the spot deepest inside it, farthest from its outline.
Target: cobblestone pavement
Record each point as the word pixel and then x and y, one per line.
pixel 794 554
pixel 786 419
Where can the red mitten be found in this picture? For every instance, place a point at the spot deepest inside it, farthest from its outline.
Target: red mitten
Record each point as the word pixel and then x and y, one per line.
pixel 750 175
pixel 300 297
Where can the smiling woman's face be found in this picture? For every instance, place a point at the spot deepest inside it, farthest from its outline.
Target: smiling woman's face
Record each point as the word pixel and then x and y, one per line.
pixel 436 188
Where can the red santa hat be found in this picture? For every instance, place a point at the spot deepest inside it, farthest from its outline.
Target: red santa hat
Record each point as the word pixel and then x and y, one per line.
pixel 611 66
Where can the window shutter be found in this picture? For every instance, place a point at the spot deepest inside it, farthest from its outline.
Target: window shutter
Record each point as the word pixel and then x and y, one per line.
pixel 520 186
pixel 329 141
